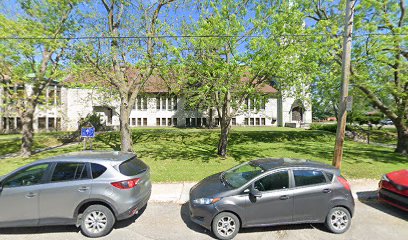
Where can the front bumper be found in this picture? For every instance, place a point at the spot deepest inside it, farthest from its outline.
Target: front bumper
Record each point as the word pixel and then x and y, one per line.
pixel 393 198
pixel 202 214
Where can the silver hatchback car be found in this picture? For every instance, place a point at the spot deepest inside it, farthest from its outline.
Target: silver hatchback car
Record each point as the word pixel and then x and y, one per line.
pixel 87 189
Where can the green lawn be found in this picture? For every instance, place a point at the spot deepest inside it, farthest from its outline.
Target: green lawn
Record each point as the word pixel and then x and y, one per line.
pixel 190 154
pixel 11 143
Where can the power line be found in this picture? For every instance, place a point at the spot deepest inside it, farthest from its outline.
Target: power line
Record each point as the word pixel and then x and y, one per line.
pixel 189 36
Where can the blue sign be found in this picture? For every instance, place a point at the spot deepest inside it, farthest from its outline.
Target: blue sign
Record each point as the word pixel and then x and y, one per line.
pixel 88 132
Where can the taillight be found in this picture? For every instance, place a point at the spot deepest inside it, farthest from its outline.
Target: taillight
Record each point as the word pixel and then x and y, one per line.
pixel 127 184
pixel 344 182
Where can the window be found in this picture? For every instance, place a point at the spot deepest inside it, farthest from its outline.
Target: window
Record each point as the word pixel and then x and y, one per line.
pixel 193 122
pixel 133 121
pixel 169 122
pixel 252 121
pixel 263 103
pixel 246 121
pixel 139 121
pixel 97 170
pixel 144 103
pixel 308 177
pixel 163 121
pixel 174 103
pixel 141 103
pixel 69 172
pixel 329 176
pixel 132 167
pixel 204 121
pixel 241 174
pixel 198 122
pixel 234 121
pixel 163 102
pixel 169 104
pixel 174 121
pixel 257 121
pixel 51 124
pixel 27 177
pixel 157 121
pixel 144 121
pixel 263 121
pixel 252 104
pixel 217 121
pixel 274 181
pixel 158 103
pixel 187 122
pixel 41 123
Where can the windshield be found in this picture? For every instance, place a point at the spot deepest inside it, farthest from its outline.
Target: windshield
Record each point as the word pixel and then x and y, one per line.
pixel 241 174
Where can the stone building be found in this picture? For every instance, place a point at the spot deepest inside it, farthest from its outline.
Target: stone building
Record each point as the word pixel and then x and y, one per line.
pixel 63 108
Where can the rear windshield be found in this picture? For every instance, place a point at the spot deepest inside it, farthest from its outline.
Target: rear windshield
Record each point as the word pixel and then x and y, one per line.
pixel 132 167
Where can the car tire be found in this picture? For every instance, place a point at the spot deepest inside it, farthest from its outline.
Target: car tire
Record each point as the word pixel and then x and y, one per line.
pixel 338 220
pixel 97 221
pixel 225 225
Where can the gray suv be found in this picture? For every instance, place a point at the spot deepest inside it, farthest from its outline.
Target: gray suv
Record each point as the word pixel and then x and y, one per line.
pixel 267 192
pixel 87 189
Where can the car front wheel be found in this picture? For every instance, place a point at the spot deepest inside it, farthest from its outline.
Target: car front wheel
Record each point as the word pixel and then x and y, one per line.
pixel 338 220
pixel 225 225
pixel 97 221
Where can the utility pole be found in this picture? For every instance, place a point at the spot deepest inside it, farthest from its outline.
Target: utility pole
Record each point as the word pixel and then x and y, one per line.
pixel 345 76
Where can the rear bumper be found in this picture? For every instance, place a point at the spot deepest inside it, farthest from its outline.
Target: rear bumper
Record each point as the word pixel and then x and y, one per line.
pixel 393 198
pixel 133 209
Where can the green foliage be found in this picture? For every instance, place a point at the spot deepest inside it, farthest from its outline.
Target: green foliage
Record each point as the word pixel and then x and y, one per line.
pixel 328 127
pixel 94 119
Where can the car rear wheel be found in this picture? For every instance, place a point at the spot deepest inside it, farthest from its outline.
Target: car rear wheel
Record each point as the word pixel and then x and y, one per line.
pixel 338 220
pixel 225 225
pixel 97 221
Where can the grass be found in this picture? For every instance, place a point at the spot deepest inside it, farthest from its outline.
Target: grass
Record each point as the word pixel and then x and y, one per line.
pixel 11 143
pixel 190 154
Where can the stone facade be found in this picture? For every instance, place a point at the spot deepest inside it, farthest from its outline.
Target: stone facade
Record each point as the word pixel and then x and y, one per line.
pixel 65 107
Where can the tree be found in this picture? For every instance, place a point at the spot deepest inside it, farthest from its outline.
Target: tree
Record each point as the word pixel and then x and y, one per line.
pixel 379 55
pixel 33 60
pixel 123 63
pixel 224 65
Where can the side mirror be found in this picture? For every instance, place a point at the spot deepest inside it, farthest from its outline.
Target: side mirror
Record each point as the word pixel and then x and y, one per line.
pixel 255 192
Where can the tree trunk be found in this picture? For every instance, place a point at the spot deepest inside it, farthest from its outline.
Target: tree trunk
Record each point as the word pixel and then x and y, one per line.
pixel 402 144
pixel 210 119
pixel 27 132
pixel 125 133
pixel 223 142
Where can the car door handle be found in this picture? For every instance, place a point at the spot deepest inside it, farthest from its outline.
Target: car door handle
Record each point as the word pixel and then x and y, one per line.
pixel 30 195
pixel 327 190
pixel 83 189
pixel 284 197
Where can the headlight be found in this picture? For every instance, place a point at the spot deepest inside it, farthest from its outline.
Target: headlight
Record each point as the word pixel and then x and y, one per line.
pixel 205 201
pixel 385 178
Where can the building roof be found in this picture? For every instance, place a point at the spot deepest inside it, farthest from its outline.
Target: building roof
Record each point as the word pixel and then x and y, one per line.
pixel 156 84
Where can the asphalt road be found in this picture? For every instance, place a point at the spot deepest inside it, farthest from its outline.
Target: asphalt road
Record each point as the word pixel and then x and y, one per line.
pixel 372 221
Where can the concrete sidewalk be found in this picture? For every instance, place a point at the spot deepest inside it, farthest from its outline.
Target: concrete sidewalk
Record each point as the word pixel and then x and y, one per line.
pixel 179 192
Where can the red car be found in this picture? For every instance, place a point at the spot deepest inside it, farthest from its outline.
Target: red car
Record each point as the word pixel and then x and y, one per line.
pixel 393 189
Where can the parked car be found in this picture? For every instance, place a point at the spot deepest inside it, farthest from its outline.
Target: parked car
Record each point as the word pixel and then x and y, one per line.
pixel 387 122
pixel 267 192
pixel 393 189
pixel 87 189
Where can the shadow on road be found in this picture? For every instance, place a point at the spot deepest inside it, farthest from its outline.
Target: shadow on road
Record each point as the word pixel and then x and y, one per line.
pixel 185 215
pixel 60 229
pixel 369 198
